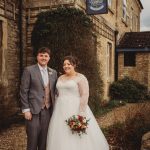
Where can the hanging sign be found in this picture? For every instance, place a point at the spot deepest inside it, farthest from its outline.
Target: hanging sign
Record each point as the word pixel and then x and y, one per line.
pixel 94 7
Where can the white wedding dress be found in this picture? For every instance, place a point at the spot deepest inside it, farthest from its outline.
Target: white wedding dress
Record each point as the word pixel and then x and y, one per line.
pixel 72 100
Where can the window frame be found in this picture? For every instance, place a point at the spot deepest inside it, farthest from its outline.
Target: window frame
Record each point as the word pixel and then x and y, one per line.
pixel 109 61
pixel 131 19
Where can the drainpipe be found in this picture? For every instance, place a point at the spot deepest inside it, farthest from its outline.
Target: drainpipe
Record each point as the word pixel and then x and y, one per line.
pixel 116 53
pixel 116 57
pixel 20 37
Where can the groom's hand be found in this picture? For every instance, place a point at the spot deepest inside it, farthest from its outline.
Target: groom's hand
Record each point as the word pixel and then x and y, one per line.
pixel 28 115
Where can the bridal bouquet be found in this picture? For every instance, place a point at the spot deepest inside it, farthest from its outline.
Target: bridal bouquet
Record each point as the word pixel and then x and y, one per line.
pixel 78 124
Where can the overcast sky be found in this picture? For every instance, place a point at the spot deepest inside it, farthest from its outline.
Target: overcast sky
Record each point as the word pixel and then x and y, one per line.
pixel 145 16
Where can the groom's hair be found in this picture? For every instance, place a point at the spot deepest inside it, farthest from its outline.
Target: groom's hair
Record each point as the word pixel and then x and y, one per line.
pixel 44 50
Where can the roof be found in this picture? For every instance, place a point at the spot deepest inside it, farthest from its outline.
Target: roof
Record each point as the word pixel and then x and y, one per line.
pixel 139 41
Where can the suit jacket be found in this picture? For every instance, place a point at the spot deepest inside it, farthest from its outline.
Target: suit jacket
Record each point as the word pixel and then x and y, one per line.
pixel 32 89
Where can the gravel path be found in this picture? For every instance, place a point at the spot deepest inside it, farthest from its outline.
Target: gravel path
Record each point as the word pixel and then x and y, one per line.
pixel 14 138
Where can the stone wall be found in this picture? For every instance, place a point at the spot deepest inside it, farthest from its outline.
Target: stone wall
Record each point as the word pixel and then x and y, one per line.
pixel 9 79
pixel 140 72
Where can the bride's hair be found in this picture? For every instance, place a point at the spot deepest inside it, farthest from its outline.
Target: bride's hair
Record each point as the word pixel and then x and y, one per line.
pixel 72 59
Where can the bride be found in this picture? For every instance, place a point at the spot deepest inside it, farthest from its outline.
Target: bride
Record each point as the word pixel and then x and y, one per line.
pixel 72 99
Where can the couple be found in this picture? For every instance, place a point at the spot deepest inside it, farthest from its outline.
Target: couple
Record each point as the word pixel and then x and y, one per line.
pixel 47 104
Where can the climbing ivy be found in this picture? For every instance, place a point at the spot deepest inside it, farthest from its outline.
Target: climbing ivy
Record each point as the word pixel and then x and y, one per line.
pixel 68 31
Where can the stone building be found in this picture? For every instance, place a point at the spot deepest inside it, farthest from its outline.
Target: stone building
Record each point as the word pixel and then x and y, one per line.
pixel 9 56
pixel 17 18
pixel 134 57
pixel 123 16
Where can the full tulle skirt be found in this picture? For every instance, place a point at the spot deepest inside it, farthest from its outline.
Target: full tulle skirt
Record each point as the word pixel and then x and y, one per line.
pixel 60 136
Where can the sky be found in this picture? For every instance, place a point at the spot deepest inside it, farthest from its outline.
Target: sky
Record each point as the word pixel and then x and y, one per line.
pixel 145 16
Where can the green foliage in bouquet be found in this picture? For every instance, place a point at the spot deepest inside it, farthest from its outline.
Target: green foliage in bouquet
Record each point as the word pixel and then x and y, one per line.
pixel 128 89
pixel 78 124
pixel 68 31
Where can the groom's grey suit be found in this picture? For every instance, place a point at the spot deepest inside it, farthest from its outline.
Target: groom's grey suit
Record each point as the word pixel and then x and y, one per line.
pixel 32 93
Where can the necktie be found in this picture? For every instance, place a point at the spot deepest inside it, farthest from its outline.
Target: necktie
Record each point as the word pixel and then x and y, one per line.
pixel 45 76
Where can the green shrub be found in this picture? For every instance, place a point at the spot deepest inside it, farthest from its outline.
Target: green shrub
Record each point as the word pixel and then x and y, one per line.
pixel 128 89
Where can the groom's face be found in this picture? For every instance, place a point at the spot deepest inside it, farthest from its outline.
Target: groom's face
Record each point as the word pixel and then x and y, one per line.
pixel 43 59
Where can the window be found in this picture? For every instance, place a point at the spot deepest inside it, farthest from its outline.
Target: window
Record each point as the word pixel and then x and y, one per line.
pixel 110 3
pixel 109 60
pixel 124 10
pixel 130 59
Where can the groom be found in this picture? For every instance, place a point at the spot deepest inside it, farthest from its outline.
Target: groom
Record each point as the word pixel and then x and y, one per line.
pixel 37 93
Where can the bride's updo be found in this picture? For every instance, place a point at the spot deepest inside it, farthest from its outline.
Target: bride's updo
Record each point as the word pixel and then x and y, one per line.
pixel 72 59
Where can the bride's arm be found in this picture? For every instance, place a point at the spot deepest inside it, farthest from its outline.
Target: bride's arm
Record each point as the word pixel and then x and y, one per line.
pixel 84 94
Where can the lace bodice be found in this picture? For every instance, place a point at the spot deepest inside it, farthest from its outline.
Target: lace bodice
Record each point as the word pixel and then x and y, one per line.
pixel 74 87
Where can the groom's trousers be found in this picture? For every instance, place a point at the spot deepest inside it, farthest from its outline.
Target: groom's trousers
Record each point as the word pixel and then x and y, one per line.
pixel 37 129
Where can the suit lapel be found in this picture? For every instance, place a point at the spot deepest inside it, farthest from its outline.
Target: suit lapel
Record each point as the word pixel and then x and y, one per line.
pixel 39 74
